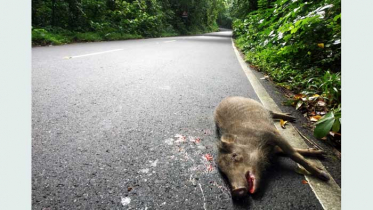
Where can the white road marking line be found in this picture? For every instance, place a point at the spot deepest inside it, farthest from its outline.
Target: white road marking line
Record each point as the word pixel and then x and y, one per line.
pixel 204 199
pixel 328 193
pixel 96 53
pixel 169 41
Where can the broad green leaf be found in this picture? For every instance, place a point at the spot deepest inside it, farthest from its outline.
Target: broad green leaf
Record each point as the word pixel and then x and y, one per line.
pixel 327 117
pixel 298 22
pixel 336 17
pixel 294 30
pixel 323 128
pixel 336 126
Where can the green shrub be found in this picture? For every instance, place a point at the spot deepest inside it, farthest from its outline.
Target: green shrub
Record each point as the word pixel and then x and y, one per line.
pixel 88 37
pixel 297 43
pixel 119 36
pixel 43 37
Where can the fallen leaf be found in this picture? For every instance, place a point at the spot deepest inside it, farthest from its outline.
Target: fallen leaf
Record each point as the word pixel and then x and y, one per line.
pixel 332 133
pixel 254 67
pixel 321 103
pixel 321 113
pixel 304 182
pixel 321 45
pixel 299 96
pixel 266 77
pixel 282 123
pixel 210 168
pixel 315 118
pixel 299 104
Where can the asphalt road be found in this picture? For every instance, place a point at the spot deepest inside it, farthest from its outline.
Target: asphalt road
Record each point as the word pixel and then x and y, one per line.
pixel 107 121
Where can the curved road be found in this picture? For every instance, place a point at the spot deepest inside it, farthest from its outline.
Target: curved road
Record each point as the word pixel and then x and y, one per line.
pixel 126 125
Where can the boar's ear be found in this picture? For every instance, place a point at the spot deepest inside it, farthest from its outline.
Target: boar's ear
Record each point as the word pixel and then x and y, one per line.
pixel 228 138
pixel 226 143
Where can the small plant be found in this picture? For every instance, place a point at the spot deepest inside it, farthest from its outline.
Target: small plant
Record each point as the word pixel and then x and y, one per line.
pixel 330 122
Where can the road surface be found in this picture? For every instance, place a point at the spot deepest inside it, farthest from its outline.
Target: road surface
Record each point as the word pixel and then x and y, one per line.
pixel 127 125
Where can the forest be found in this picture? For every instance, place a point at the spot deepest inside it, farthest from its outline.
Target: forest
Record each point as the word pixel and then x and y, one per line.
pixel 296 43
pixel 64 21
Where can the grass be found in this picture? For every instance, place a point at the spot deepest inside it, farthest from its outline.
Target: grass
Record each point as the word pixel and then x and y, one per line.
pixel 58 37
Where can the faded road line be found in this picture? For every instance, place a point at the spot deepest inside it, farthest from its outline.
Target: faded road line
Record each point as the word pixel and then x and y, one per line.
pixel 169 41
pixel 96 53
pixel 328 193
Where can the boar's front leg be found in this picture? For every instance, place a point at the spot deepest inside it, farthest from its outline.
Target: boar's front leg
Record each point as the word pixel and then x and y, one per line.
pixel 279 141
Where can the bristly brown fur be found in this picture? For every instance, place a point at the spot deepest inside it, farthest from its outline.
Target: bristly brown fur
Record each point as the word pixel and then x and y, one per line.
pixel 248 139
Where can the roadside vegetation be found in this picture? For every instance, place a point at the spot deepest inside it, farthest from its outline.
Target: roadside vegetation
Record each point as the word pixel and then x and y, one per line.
pixel 297 44
pixel 64 21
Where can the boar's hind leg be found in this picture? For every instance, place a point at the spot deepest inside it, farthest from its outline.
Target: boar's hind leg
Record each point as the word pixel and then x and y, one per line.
pixel 296 156
pixel 304 152
pixel 284 116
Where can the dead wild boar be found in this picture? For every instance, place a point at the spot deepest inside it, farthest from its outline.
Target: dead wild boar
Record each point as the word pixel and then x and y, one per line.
pixel 247 140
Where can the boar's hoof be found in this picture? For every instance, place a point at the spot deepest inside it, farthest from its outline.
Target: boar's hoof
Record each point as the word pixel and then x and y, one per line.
pixel 324 176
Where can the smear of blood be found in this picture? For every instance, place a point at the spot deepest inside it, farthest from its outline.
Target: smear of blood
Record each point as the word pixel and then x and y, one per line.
pixel 250 182
pixel 197 140
pixel 210 168
pixel 208 157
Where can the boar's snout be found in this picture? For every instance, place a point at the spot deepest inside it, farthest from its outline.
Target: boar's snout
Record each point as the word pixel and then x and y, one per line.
pixel 239 192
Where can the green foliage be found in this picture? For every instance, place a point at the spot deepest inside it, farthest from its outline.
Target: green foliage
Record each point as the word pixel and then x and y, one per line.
pixel 58 36
pixel 224 18
pixel 119 36
pixel 88 37
pixel 297 43
pixel 43 37
pixel 90 20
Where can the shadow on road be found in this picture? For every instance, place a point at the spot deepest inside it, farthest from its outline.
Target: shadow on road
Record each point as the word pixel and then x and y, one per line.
pixel 226 34
pixel 217 40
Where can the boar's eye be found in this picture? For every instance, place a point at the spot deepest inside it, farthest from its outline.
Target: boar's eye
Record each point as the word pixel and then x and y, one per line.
pixel 236 157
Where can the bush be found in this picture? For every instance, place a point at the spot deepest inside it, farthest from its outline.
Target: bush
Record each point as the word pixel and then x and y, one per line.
pixel 43 37
pixel 88 37
pixel 297 43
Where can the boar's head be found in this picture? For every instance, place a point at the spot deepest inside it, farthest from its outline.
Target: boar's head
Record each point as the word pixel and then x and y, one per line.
pixel 241 163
